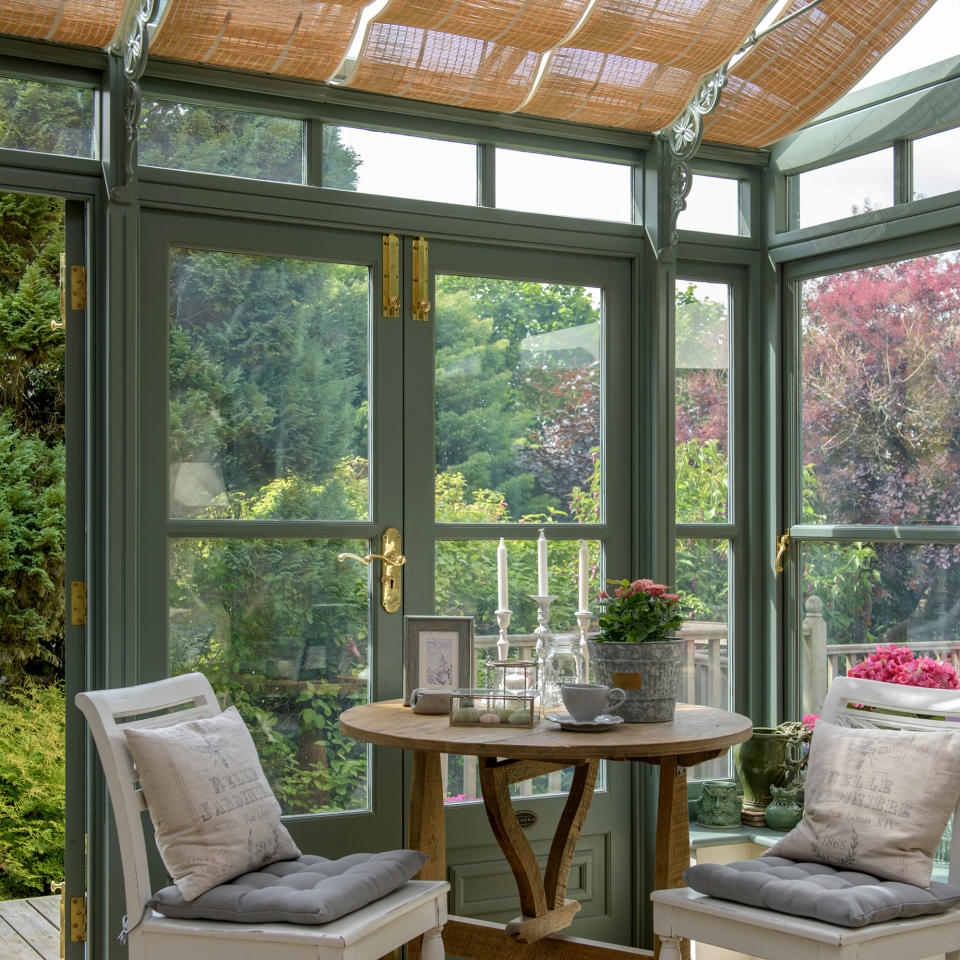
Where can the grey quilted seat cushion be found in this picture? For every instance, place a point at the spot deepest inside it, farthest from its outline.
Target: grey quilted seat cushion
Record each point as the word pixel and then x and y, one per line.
pixel 309 889
pixel 843 897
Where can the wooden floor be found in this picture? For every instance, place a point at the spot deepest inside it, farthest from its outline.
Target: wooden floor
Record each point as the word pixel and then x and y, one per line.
pixel 30 929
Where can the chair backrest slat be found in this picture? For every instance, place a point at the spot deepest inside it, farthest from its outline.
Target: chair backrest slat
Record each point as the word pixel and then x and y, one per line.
pixel 108 713
pixel 895 706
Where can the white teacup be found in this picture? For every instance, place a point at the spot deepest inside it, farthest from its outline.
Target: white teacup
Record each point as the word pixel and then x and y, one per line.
pixel 586 701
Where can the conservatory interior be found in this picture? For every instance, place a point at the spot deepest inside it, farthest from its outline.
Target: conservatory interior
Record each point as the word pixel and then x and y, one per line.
pixel 358 298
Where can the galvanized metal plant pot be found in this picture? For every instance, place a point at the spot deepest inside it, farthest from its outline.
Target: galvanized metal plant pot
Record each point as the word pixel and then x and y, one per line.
pixel 649 674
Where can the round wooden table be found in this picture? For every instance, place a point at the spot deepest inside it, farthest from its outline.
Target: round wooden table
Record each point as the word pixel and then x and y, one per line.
pixel 513 754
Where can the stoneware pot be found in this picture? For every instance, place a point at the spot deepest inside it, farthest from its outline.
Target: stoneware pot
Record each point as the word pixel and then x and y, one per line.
pixel 719 805
pixel 783 812
pixel 760 763
pixel 649 674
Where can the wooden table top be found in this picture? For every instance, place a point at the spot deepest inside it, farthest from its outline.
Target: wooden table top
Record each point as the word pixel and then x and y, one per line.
pixel 693 729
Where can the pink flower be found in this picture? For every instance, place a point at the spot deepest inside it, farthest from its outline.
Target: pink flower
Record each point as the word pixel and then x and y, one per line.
pixel 656 590
pixel 892 664
pixel 604 595
pixel 809 719
pixel 672 597
pixel 622 592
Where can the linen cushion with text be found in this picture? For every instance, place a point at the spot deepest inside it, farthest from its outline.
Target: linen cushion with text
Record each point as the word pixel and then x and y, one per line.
pixel 877 801
pixel 213 811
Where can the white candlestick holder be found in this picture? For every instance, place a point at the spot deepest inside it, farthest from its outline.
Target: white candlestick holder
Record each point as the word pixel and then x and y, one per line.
pixel 583 622
pixel 503 645
pixel 542 630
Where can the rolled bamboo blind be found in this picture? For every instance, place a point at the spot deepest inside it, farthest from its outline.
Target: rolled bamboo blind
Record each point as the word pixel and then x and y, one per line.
pixel 637 63
pixel 804 66
pixel 295 38
pixel 629 63
pixel 474 53
pixel 85 23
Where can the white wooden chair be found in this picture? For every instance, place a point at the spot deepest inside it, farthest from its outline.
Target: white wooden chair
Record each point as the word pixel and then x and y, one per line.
pixel 418 908
pixel 684 914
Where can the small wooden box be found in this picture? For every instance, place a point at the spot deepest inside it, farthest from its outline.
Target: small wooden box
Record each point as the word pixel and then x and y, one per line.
pixel 482 708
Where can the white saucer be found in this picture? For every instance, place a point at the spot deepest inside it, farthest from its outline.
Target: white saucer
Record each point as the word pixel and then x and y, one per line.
pixel 602 722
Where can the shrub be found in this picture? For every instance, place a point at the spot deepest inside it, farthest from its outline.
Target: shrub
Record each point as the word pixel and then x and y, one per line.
pixel 32 790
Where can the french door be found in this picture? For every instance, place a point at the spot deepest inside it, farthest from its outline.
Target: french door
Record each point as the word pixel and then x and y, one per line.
pixel 515 398
pixel 287 423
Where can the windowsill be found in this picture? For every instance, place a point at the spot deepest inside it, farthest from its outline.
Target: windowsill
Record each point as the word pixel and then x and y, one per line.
pixel 709 837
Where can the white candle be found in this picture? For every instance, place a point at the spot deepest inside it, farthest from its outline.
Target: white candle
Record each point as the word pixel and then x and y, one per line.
pixel 584 575
pixel 542 586
pixel 503 598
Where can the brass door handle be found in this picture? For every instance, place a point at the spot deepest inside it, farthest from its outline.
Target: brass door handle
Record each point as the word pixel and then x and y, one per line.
pixel 391 571
pixel 397 560
pixel 783 545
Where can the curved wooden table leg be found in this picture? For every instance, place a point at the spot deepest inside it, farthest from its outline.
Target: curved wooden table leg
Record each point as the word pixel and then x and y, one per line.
pixel 543 904
pixel 568 832
pixel 426 830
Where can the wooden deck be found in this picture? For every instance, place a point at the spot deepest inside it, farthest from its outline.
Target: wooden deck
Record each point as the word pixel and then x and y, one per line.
pixel 30 929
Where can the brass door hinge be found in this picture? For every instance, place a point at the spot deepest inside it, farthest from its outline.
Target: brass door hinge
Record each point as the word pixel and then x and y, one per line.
pixel 420 308
pixel 783 545
pixel 391 275
pixel 78 290
pixel 78 919
pixel 78 287
pixel 78 603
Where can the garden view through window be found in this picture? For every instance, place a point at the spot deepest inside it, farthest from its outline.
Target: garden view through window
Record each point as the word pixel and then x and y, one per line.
pixel 880 443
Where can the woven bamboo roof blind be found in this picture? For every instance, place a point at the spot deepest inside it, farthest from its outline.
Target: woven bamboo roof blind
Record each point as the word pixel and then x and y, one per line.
pixel 797 71
pixel 632 64
pixel 636 63
pixel 86 23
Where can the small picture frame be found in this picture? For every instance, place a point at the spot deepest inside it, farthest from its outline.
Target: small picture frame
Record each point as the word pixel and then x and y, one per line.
pixel 437 653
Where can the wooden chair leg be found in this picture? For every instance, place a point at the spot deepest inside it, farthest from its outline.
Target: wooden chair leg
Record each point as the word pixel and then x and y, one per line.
pixel 670 948
pixel 431 946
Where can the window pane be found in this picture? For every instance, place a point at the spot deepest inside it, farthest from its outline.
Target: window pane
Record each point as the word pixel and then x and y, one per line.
pixel 46 117
pixel 268 387
pixel 280 629
pixel 703 580
pixel 518 405
pixel 701 399
pixel 846 188
pixel 859 595
pixel 563 186
pixel 191 136
pixel 397 165
pixel 879 393
pixel 713 206
pixel 475 595
pixel 934 164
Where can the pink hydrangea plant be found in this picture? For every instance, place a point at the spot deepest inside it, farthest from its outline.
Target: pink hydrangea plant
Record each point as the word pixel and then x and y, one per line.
pixel 893 664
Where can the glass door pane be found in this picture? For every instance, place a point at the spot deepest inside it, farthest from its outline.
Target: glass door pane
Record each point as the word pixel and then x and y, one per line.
pixel 271 399
pixel 523 356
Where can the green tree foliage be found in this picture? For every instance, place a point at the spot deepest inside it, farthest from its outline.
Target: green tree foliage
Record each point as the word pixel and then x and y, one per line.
pixel 192 136
pixel 31 789
pixel 512 415
pixel 31 551
pixel 46 117
pixel 268 369
pixel 31 436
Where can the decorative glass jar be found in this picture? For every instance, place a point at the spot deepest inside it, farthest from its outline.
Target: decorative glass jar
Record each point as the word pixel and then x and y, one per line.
pixel 562 663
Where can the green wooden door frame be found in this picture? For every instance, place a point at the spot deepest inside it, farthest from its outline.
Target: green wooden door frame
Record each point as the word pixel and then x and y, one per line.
pixel 381 825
